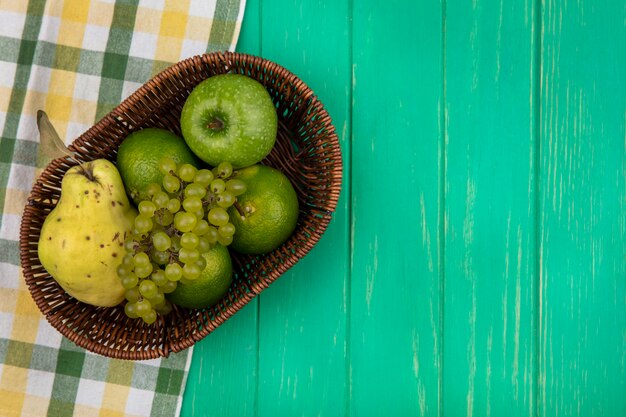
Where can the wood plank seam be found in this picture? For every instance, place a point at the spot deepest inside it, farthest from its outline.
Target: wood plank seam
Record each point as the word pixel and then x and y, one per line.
pixel 536 92
pixel 442 208
pixel 350 222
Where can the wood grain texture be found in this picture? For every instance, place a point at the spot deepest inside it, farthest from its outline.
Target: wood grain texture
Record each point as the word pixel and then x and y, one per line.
pixel 395 338
pixel 223 378
pixel 476 264
pixel 583 210
pixel 303 315
pixel 489 209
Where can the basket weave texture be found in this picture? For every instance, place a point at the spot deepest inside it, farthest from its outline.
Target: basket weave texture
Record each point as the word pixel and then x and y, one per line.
pixel 306 150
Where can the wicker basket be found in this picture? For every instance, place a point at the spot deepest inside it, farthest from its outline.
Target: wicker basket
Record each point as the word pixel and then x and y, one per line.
pixel 307 151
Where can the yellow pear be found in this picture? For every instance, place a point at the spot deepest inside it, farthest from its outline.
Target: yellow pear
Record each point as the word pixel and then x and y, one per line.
pixel 82 239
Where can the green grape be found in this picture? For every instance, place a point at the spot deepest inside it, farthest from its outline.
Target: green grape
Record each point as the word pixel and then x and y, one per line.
pixel 195 190
pixel 200 263
pixel 204 177
pixel 185 221
pixel 202 227
pixel 218 216
pixel 161 258
pixel 204 245
pixel 158 299
pixel 139 236
pixel 143 271
pixel 130 245
pixel 173 272
pixel 173 205
pixel 124 270
pixel 236 186
pixel 168 287
pixel 186 255
pixel 130 281
pixel 160 199
pixel 171 184
pixel 192 204
pixel 224 240
pixel 175 244
pixel 164 217
pixel 152 189
pixel 225 199
pixel 147 288
pixel 130 309
pixel 217 185
pixel 142 259
pixel 191 271
pixel 225 169
pixel 128 260
pixel 132 294
pixel 143 307
pixel 143 223
pixel 158 277
pixel 186 172
pixel 150 317
pixel 165 308
pixel 226 230
pixel 212 235
pixel 161 241
pixel 184 280
pixel 146 208
pixel 167 165
pixel 189 240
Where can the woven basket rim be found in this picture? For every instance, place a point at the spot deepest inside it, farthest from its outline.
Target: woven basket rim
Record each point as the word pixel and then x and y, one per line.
pixel 115 116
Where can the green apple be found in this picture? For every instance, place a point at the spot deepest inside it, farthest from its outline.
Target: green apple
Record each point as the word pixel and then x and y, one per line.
pixel 229 117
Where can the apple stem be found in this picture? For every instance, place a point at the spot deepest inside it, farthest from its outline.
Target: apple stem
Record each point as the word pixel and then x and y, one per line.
pixel 216 124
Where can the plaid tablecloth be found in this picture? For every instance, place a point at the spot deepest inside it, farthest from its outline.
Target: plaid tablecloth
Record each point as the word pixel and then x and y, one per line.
pixel 77 59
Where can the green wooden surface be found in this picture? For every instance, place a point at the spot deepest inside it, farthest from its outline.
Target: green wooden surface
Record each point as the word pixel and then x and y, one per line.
pixel 582 281
pixel 489 162
pixel 476 264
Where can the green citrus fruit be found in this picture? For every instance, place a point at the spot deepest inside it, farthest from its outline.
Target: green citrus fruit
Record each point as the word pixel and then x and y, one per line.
pixel 210 286
pixel 270 205
pixel 139 154
pixel 229 117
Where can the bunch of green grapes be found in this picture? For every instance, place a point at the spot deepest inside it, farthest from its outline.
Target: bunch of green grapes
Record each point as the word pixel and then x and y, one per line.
pixel 186 215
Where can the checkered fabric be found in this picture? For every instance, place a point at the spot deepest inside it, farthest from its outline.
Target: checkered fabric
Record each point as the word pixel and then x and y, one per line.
pixel 77 59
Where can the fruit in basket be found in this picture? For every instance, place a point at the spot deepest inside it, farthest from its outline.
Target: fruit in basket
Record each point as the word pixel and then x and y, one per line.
pixel 185 217
pixel 267 212
pixel 82 238
pixel 229 117
pixel 210 286
pixel 139 154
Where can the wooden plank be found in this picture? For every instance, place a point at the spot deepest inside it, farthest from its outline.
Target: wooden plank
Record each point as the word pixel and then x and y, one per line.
pixel 395 336
pixel 222 379
pixel 490 258
pixel 583 209
pixel 302 339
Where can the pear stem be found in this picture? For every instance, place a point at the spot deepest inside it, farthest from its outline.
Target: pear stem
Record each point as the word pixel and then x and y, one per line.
pixel 87 170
